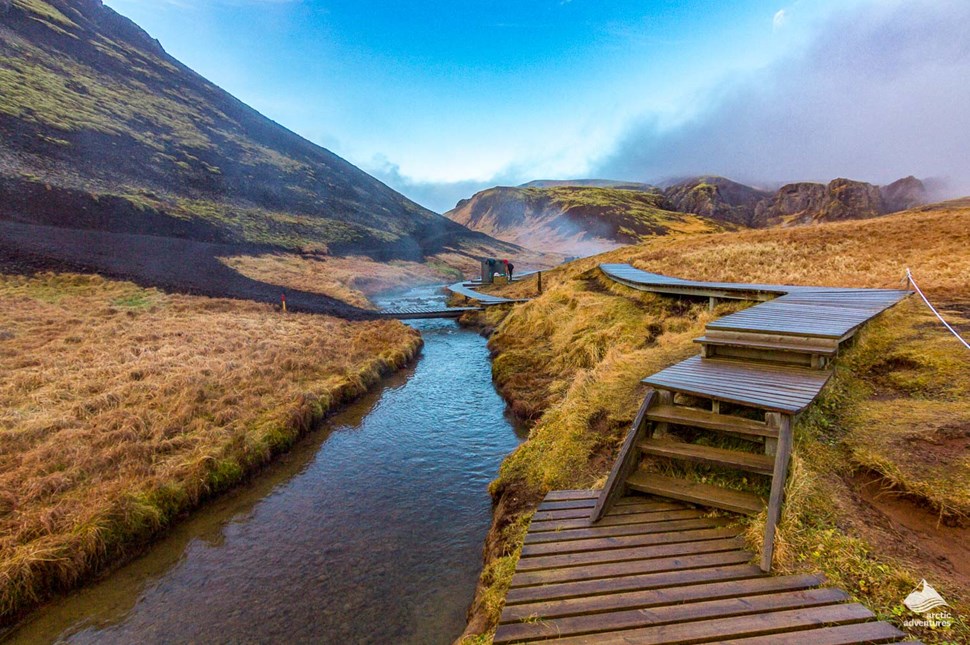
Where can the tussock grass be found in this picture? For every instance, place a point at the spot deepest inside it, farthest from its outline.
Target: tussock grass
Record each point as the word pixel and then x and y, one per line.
pixel 350 279
pixel 572 360
pixel 121 408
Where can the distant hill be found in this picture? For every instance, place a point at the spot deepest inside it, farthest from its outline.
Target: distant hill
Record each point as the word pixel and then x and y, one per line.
pixel 551 214
pixel 589 183
pixel 101 131
pixel 574 219
pixel 715 197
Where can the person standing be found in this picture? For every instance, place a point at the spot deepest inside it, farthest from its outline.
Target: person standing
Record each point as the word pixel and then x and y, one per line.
pixel 508 268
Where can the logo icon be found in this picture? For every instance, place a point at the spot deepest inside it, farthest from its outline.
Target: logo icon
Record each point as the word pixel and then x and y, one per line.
pixel 924 598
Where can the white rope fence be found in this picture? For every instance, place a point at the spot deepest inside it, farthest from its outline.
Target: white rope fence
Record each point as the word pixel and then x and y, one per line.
pixel 909 277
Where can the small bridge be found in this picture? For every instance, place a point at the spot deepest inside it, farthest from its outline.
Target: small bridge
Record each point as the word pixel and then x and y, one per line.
pixel 642 561
pixel 417 313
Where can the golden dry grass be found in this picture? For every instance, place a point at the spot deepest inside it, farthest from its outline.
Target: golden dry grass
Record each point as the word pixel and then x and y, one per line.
pixel 572 359
pixel 121 408
pixel 350 279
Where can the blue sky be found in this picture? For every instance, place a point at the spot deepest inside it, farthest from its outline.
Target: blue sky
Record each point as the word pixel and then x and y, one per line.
pixel 441 98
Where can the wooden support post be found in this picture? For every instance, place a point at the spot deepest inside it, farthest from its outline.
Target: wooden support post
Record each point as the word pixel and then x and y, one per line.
pixel 772 420
pixel 715 406
pixel 778 479
pixel 712 302
pixel 626 462
pixel 539 279
pixel 662 430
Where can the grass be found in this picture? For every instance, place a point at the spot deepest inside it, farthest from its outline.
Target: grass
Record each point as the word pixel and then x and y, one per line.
pixel 350 279
pixel 572 359
pixel 122 408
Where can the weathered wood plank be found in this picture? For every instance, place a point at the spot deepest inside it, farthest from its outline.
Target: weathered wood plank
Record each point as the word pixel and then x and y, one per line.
pixel 630 583
pixel 782 457
pixel 681 415
pixel 720 629
pixel 559 495
pixel 637 529
pixel 636 553
pixel 666 614
pixel 626 541
pixel 857 633
pixel 656 597
pixel 704 494
pixel 615 520
pixel 708 455
pixel 567 503
pixel 626 461
pixel 632 567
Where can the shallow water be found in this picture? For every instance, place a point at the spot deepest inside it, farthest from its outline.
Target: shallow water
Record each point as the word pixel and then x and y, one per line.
pixel 369 531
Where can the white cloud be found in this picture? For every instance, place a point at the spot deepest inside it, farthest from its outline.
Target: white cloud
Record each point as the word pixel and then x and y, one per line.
pixel 781 17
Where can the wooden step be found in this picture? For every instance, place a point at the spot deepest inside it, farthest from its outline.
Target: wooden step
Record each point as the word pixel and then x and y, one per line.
pixel 762 464
pixel 695 418
pixel 703 494
pixel 757 341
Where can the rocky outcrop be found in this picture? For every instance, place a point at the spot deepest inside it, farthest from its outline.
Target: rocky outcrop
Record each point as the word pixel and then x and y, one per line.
pixel 840 199
pixel 904 194
pixel 718 198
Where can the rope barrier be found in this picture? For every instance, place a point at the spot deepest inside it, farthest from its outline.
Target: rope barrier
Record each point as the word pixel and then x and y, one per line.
pixel 909 277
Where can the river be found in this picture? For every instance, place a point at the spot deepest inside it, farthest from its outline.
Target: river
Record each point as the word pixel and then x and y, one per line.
pixel 369 531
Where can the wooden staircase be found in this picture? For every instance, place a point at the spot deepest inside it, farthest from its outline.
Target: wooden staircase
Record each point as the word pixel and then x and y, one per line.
pixel 747 386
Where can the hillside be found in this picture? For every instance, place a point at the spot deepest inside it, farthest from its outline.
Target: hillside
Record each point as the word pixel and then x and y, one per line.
pixel 574 219
pixel 879 491
pixel 536 214
pixel 103 132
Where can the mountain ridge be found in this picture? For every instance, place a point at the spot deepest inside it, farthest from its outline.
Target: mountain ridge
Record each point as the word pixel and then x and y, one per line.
pixel 101 130
pixel 719 201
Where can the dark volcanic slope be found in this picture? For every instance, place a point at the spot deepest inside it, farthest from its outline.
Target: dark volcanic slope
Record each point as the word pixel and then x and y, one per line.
pixel 101 130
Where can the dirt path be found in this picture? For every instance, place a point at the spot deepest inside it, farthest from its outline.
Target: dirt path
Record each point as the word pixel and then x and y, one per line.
pixel 910 531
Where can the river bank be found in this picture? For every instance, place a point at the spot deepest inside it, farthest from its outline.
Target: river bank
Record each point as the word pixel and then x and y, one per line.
pixel 369 530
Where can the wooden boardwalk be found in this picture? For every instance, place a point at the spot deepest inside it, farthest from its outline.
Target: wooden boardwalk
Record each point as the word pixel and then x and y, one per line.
pixel 657 571
pixel 644 560
pixel 415 313
pixel 467 289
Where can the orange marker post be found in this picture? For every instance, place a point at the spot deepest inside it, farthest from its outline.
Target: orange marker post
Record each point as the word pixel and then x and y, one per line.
pixel 284 302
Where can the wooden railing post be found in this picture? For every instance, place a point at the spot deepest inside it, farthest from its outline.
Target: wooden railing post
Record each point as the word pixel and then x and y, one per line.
pixel 778 479
pixel 626 462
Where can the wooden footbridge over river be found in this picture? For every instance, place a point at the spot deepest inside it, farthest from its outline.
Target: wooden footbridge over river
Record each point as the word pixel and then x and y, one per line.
pixel 465 289
pixel 644 560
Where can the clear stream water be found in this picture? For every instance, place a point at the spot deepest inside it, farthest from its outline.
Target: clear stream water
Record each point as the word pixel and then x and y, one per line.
pixel 369 531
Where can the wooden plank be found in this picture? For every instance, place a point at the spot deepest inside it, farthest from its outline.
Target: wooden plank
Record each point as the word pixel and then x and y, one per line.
pixel 666 615
pixel 630 583
pixel 782 457
pixel 636 529
pixel 778 388
pixel 631 567
pixel 880 632
pixel 564 514
pixel 720 629
pixel 626 461
pixel 615 520
pixel 656 597
pixel 627 541
pixel 710 455
pixel 559 495
pixel 695 418
pixel 566 503
pixel 645 505
pixel 704 494
pixel 635 553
